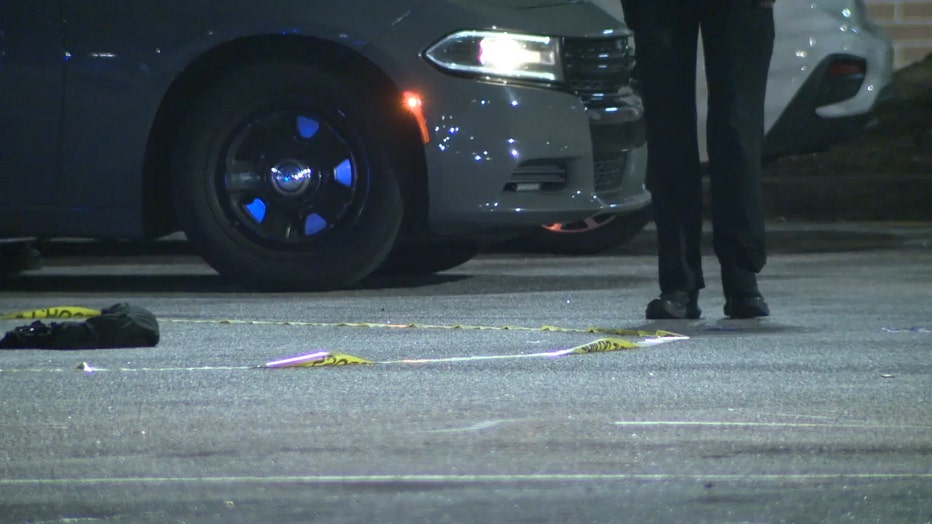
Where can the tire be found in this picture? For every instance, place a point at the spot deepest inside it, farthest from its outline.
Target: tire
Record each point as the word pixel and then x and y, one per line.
pixel 17 257
pixel 423 258
pixel 590 236
pixel 284 179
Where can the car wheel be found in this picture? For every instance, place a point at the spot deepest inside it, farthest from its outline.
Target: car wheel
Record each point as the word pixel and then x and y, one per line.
pixel 16 257
pixel 590 236
pixel 284 179
pixel 421 258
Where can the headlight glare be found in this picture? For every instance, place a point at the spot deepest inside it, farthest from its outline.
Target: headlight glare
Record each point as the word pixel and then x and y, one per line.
pixel 499 54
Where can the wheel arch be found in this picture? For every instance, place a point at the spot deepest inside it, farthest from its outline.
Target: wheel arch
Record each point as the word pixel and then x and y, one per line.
pixel 211 67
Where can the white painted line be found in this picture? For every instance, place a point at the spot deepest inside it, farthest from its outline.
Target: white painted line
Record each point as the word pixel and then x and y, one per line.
pixel 462 479
pixel 758 424
pixel 479 426
pixel 91 369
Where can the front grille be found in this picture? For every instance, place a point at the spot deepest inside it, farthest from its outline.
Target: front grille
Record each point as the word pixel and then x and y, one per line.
pixel 609 171
pixel 600 71
pixel 597 68
pixel 618 138
pixel 538 175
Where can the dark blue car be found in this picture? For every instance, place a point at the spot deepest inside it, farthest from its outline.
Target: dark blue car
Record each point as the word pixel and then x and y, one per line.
pixel 305 144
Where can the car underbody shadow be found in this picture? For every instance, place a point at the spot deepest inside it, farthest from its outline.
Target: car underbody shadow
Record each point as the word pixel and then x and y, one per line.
pixel 722 327
pixel 105 284
pixel 781 239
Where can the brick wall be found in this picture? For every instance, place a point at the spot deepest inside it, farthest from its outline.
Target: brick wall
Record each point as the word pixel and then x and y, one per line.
pixel 909 25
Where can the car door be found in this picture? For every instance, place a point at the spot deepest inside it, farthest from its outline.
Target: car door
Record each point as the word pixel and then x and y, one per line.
pixel 31 90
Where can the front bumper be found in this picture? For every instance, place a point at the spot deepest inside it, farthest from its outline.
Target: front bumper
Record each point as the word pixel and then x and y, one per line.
pixel 505 156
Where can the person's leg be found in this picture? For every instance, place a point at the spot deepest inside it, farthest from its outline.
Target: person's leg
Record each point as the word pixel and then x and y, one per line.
pixel 666 35
pixel 737 41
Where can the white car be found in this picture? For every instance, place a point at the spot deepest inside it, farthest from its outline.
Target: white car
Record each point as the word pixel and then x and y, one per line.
pixel 831 66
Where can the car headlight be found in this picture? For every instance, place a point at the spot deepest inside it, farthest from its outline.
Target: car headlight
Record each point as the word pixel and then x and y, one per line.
pixel 499 54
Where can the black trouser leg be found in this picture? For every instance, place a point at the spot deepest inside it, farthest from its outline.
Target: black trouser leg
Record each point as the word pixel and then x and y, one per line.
pixel 666 36
pixel 737 40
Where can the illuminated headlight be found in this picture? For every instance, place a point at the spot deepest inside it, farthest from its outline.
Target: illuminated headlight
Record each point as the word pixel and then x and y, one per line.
pixel 499 54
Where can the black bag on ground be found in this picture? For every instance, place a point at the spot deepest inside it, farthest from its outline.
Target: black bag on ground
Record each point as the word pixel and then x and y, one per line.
pixel 118 326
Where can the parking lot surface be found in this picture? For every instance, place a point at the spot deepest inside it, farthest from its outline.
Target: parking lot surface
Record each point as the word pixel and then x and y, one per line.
pixel 820 413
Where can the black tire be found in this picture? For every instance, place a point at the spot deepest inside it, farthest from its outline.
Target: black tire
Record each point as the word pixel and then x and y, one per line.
pixel 591 236
pixel 284 179
pixel 16 257
pixel 423 258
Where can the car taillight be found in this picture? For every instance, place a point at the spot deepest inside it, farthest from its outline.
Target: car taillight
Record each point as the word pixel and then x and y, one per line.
pixel 847 68
pixel 842 80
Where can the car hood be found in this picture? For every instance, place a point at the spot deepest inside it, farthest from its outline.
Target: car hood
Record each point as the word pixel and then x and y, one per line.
pixel 548 17
pixel 530 4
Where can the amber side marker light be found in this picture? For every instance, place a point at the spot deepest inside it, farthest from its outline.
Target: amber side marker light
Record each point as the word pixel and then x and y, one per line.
pixel 413 103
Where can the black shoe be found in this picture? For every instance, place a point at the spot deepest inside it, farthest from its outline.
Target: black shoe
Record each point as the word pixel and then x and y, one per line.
pixel 746 306
pixel 674 306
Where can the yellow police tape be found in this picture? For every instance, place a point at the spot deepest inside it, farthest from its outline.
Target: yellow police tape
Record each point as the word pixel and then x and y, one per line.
pixel 316 359
pixel 326 358
pixel 63 312
pixel 545 328
pixel 602 345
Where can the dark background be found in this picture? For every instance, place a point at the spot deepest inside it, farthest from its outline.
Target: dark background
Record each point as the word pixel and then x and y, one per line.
pixel 885 173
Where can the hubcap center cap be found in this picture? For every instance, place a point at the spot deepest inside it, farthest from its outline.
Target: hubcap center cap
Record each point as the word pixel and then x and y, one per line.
pixel 291 176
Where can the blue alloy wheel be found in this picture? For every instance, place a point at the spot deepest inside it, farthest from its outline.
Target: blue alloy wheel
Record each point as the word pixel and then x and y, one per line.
pixel 285 177
pixel 289 179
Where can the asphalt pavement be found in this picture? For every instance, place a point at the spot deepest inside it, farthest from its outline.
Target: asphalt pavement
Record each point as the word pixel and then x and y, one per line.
pixel 820 413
